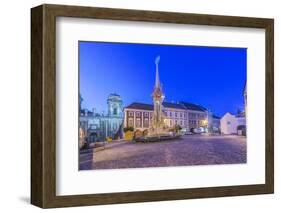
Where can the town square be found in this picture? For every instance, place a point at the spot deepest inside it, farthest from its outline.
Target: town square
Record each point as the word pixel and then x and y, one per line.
pixel 158 132
pixel 189 150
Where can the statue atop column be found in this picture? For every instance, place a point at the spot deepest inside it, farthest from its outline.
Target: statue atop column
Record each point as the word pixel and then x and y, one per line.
pixel 158 131
pixel 158 97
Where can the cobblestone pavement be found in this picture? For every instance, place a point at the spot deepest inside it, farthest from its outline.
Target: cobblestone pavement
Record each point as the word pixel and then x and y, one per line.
pixel 189 150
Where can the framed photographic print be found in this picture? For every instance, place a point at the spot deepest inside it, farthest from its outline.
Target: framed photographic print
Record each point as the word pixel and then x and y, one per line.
pixel 136 106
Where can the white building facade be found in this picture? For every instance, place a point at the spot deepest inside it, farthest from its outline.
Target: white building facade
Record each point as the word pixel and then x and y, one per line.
pixel 99 126
pixel 231 124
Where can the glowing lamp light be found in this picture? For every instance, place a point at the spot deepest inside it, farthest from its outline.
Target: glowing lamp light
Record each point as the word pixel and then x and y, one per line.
pixel 205 122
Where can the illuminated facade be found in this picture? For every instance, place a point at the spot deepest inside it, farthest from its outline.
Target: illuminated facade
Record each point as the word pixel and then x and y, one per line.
pixel 187 115
pixel 162 115
pixel 99 126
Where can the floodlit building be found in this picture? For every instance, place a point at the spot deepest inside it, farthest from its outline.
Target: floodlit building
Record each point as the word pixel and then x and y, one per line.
pixel 139 115
pixel 187 115
pixel 233 124
pixel 99 126
pixel 216 123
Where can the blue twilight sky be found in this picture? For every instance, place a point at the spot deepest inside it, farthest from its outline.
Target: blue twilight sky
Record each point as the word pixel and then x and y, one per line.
pixel 213 77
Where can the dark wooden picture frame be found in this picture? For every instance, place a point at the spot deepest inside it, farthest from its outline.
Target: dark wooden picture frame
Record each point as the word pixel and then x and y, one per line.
pixel 43 105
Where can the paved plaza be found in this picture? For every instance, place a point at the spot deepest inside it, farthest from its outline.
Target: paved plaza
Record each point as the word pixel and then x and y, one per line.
pixel 189 150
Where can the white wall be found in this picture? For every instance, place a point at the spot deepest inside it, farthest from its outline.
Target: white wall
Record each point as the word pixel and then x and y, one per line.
pixel 15 104
pixel 228 124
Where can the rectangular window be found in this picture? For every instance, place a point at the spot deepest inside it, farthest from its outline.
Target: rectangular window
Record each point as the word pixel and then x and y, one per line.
pixel 131 122
pixel 146 122
pixel 138 123
pixel 192 115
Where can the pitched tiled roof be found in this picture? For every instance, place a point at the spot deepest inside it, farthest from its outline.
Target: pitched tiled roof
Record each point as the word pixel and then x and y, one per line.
pixel 193 106
pixel 181 105
pixel 173 105
pixel 142 106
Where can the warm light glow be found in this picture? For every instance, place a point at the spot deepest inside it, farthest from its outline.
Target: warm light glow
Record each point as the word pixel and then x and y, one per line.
pixel 205 122
pixel 81 133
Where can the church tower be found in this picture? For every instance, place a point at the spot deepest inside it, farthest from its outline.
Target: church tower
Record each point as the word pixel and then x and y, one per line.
pixel 158 98
pixel 115 104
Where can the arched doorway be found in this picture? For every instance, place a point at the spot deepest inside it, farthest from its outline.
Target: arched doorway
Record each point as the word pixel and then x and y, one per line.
pixel 92 137
pixel 241 130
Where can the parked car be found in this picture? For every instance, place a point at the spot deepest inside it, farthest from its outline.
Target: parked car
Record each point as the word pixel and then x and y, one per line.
pixel 199 130
pixel 188 133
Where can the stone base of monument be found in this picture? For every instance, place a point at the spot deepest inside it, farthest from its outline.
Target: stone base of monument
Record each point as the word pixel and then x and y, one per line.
pixel 157 138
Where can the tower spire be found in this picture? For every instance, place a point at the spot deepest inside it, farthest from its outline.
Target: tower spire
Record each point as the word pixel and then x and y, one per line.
pixel 157 80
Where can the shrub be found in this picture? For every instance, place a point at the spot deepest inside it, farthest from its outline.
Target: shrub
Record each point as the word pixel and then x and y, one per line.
pixel 85 146
pixel 145 132
pixel 178 127
pixel 138 133
pixel 126 129
pixel 109 139
pixel 129 135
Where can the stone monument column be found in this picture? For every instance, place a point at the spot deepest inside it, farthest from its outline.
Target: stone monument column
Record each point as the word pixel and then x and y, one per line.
pixel 158 97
